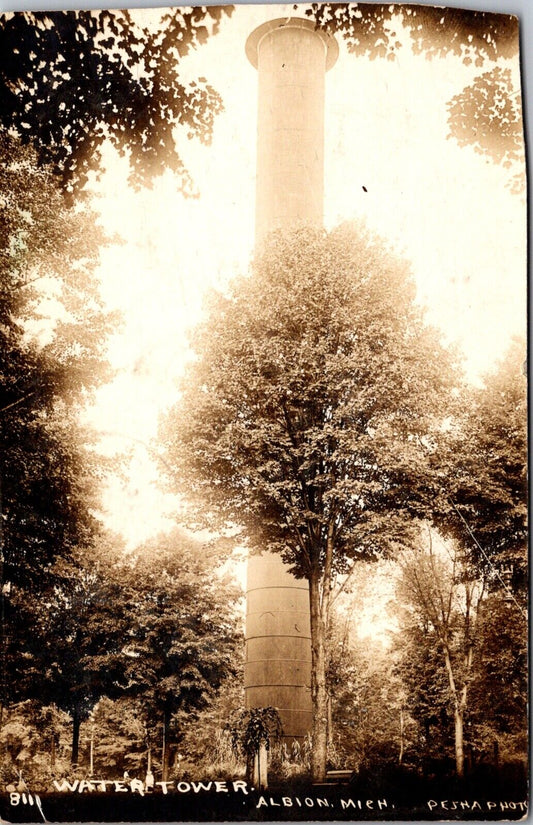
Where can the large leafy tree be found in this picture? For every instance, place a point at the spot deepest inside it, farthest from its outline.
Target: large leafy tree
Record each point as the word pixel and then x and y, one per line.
pixel 306 415
pixel 52 334
pixel 156 630
pixel 79 634
pixel 71 80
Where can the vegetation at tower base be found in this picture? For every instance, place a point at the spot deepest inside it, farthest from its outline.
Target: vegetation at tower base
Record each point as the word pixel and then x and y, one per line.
pixel 71 80
pixel 487 113
pixel 254 729
pixel 309 414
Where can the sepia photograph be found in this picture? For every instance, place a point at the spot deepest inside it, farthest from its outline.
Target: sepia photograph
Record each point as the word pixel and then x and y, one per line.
pixel 263 477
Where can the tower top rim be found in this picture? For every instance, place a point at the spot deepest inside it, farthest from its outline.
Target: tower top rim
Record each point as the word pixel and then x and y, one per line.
pixel 254 39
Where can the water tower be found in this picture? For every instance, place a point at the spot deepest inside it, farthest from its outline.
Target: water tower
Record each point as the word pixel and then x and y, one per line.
pixel 292 58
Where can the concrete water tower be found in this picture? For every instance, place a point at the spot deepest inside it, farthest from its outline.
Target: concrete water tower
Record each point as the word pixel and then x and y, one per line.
pixel 292 58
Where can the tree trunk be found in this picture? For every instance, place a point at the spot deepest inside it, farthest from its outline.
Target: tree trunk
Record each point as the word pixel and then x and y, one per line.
pixel 250 766
pixel 318 682
pixel 165 751
pixel 459 710
pixel 330 723
pixel 427 747
pixel 400 756
pixel 260 770
pixel 76 723
pixel 459 744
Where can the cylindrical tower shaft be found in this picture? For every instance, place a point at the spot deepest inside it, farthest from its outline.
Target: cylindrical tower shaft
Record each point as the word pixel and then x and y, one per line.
pixel 277 671
pixel 291 58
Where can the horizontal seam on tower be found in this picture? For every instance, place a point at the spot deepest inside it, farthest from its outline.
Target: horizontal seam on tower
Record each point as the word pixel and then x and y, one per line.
pixel 253 661
pixel 275 684
pixel 277 587
pixel 276 636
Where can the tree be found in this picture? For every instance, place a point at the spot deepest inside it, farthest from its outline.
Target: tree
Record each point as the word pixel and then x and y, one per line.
pixel 52 335
pixel 483 475
pixel 303 418
pixel 33 740
pixel 370 727
pixel 71 80
pixel 487 113
pixel 74 653
pixel 117 737
pixel 371 30
pixel 53 330
pixel 420 666
pixel 183 632
pixel 462 650
pixel 499 695
pixel 445 594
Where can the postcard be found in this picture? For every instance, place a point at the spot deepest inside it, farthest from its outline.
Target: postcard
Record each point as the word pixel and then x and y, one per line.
pixel 263 415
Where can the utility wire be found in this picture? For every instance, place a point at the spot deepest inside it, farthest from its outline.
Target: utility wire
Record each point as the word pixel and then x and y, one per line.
pixel 487 559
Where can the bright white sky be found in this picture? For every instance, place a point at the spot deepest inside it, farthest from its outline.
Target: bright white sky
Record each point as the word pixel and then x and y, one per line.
pixel 446 209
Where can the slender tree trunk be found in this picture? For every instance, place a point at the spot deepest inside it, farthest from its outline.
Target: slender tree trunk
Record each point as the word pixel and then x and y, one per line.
pixel 318 682
pixel 459 708
pixel 250 765
pixel 165 751
pixel 330 723
pixel 76 722
pixel 427 747
pixel 459 743
pixel 400 756
pixel 91 752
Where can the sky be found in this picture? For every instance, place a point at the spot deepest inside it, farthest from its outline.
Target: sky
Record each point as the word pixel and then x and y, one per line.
pixel 444 208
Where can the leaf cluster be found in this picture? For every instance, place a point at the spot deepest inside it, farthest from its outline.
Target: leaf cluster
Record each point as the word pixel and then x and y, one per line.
pixel 372 30
pixel 486 114
pixel 52 334
pixel 71 80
